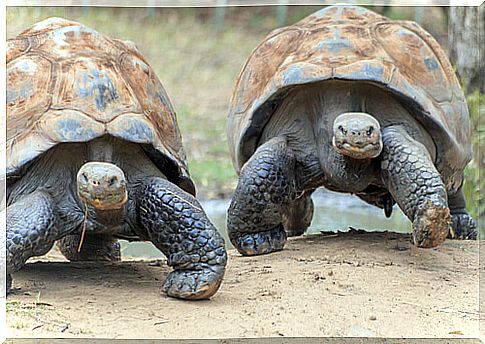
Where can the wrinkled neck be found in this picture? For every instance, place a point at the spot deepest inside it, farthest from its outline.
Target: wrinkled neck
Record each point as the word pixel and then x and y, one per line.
pixel 111 218
pixel 101 149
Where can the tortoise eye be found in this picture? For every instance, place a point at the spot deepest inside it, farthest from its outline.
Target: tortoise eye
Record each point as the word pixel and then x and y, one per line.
pixel 370 131
pixel 342 130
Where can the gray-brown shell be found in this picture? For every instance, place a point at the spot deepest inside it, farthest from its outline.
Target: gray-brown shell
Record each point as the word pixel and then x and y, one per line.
pixel 352 43
pixel 69 83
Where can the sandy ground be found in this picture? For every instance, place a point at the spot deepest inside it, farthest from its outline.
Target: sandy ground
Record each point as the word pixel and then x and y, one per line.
pixel 372 284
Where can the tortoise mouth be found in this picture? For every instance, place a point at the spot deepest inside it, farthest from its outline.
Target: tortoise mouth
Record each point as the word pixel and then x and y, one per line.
pixel 368 150
pixel 102 186
pixel 108 202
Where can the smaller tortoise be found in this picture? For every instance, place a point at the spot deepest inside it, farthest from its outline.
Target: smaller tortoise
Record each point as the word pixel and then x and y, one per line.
pixel 93 145
pixel 357 103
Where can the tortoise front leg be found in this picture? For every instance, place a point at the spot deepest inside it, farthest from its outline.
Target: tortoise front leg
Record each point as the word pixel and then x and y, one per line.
pixel 178 226
pixel 265 189
pixel 416 186
pixel 31 230
pixel 462 224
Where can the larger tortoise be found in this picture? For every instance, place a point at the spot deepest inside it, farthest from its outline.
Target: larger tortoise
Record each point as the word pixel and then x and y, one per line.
pixel 93 147
pixel 357 103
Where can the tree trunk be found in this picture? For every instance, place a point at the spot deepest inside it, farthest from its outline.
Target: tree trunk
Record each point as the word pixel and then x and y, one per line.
pixel 466 33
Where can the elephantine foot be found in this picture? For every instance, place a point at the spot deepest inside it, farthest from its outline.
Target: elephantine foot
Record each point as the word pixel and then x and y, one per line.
pixel 252 244
pixel 193 284
pixel 431 225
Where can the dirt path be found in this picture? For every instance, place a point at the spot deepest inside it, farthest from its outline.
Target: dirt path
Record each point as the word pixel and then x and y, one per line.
pixel 373 284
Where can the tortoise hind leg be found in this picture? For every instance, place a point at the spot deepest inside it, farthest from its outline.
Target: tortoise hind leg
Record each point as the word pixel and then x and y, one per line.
pixel 298 215
pixel 266 187
pixel 94 247
pixel 463 226
pixel 416 185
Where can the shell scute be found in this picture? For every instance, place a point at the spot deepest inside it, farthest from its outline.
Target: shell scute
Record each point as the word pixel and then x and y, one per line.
pixel 154 100
pixel 131 128
pixel 28 78
pixel 93 87
pixel 416 60
pixel 69 126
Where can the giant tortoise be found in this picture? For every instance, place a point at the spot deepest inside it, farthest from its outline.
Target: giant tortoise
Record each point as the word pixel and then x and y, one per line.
pixel 357 103
pixel 93 149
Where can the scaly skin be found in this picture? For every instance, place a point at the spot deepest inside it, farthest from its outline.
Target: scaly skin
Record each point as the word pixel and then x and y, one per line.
pixel 94 247
pixel 416 186
pixel 462 224
pixel 178 226
pixel 31 229
pixel 266 187
pixel 298 215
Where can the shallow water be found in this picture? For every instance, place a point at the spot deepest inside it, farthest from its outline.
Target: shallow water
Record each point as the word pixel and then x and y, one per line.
pixel 333 212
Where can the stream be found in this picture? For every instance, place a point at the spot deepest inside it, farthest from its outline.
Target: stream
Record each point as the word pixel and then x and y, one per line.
pixel 333 212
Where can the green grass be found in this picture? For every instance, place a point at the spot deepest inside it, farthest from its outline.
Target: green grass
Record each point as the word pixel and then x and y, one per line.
pixel 198 66
pixel 474 181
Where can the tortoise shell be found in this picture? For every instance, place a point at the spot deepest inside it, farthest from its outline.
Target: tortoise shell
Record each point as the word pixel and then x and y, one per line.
pixel 353 43
pixel 68 83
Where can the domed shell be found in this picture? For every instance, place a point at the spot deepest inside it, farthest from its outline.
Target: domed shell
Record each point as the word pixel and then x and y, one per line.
pixel 352 43
pixel 69 83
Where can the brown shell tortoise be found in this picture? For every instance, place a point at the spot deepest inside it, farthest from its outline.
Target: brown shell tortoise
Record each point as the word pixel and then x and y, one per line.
pixel 93 145
pixel 357 103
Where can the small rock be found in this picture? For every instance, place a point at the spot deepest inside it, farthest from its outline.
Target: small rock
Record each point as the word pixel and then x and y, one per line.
pixel 373 317
pixel 155 263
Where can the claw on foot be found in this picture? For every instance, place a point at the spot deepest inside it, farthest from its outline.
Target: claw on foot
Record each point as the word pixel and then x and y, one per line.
pixel 431 225
pixel 463 226
pixel 252 244
pixel 193 284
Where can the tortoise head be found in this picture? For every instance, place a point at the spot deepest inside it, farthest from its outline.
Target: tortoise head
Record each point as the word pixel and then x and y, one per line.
pixel 357 135
pixel 102 185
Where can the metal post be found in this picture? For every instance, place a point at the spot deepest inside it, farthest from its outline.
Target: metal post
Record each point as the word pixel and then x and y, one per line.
pixel 85 4
pixel 220 12
pixel 151 8
pixel 418 15
pixel 282 12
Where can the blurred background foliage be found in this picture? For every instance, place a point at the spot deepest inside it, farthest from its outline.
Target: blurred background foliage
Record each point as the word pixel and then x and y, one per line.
pixel 198 53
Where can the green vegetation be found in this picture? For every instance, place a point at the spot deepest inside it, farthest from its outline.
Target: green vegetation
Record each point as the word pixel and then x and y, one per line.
pixel 199 63
pixel 26 310
pixel 474 181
